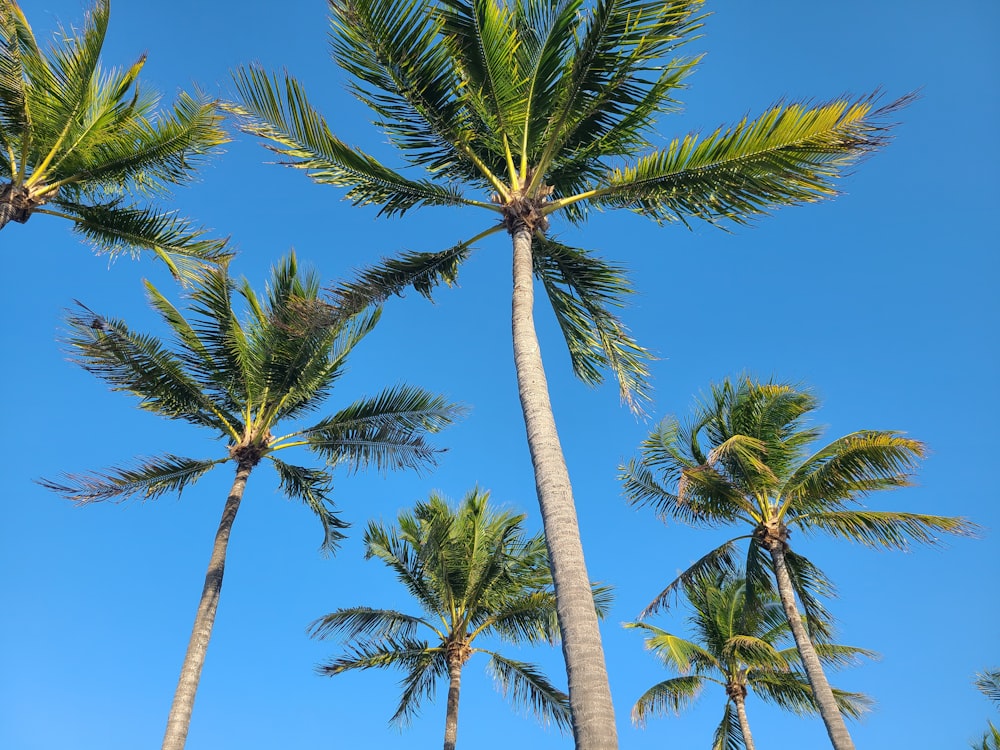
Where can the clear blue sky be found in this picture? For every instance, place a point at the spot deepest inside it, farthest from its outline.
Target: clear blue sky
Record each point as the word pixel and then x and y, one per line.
pixel 883 299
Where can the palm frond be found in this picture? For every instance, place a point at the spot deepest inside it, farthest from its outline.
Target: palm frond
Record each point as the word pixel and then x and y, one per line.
pixel 789 155
pixel 677 653
pixel 146 478
pixel 312 487
pixel 279 111
pixel 669 696
pixel 117 229
pixel 720 561
pixel 791 691
pixel 583 290
pixel 352 622
pixel 728 735
pixel 988 683
pixel 386 431
pixel 885 529
pixel 526 687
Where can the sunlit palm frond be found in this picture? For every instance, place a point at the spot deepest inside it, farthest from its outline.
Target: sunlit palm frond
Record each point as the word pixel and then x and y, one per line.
pixel 146 479
pixel 678 653
pixel 583 290
pixel 279 111
pixel 791 154
pixel 884 529
pixel 669 696
pixel 116 229
pixel 526 687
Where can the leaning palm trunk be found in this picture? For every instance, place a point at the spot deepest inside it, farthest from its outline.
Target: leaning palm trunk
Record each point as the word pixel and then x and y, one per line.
pixel 589 691
pixel 822 692
pixel 179 719
pixel 741 712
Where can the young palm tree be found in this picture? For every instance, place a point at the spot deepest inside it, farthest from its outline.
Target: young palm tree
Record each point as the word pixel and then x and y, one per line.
pixel 78 142
pixel 242 380
pixel 741 649
pixel 745 460
pixel 476 575
pixel 528 110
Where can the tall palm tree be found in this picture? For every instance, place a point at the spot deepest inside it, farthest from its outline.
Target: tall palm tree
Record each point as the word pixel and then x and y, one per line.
pixel 476 574
pixel 242 380
pixel 739 648
pixel 78 142
pixel 746 459
pixel 528 109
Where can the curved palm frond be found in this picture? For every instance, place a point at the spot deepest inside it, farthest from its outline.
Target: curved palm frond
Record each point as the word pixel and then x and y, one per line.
pixel 525 686
pixel 669 696
pixel 354 622
pixel 882 529
pixel 312 487
pixel 728 735
pixel 988 683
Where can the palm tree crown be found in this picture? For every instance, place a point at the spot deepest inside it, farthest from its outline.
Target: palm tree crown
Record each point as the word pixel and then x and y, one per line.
pixel 746 458
pixel 78 141
pixel 740 648
pixel 528 109
pixel 476 575
pixel 241 379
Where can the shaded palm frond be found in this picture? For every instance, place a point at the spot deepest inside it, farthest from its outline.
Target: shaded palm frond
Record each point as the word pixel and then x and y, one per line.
pixel 720 561
pixel 728 735
pixel 352 622
pixel 526 687
pixel 669 696
pixel 313 487
pixel 147 479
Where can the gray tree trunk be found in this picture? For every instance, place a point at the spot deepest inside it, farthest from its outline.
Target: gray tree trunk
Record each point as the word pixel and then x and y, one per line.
pixel 589 691
pixel 822 692
pixel 451 716
pixel 183 704
pixel 741 712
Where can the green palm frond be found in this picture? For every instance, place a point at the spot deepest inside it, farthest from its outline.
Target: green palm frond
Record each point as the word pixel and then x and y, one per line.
pixel 419 684
pixel 116 229
pixel 677 653
pixel 669 696
pixel 838 656
pixel 728 735
pixel 385 432
pixel 883 529
pixel 789 155
pixel 405 562
pixel 527 687
pixel 583 291
pixel 279 111
pixel 791 691
pixel 147 479
pixel 720 561
pixel 312 487
pixel 811 585
pixel 989 741
pixel 141 365
pixel 353 622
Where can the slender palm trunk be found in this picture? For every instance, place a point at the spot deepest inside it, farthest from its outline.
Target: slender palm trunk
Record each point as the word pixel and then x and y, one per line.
pixel 589 691
pixel 822 692
pixel 180 711
pixel 741 712
pixel 451 717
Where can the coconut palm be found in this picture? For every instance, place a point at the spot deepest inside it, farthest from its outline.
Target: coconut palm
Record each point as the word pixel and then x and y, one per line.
pixel 529 110
pixel 80 142
pixel 746 458
pixel 243 380
pixel 476 575
pixel 740 648
pixel 988 683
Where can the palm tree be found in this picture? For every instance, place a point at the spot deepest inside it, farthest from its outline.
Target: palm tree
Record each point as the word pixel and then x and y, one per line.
pixel 241 380
pixel 988 683
pixel 744 459
pixel 476 574
pixel 526 110
pixel 78 142
pixel 739 648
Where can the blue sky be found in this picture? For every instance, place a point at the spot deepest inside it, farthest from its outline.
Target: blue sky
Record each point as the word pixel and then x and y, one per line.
pixel 884 300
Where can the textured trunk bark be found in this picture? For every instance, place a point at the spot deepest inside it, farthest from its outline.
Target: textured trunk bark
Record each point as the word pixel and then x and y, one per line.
pixel 822 692
pixel 180 711
pixel 741 712
pixel 12 204
pixel 451 717
pixel 589 691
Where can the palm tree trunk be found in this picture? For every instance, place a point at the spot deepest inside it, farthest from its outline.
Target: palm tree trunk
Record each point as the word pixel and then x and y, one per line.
pixel 589 691
pixel 451 716
pixel 822 693
pixel 180 711
pixel 741 712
